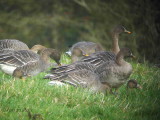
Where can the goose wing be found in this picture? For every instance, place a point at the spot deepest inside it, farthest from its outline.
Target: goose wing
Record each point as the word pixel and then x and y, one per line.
pixel 18 58
pixel 99 58
pixel 105 70
pixel 63 71
pixel 82 77
pixel 72 67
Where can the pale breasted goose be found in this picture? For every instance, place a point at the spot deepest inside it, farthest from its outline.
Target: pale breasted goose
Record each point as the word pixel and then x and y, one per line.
pixel 116 72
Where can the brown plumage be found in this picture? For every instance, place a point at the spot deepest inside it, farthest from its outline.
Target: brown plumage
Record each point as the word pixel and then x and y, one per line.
pixel 111 74
pixel 101 57
pixel 12 44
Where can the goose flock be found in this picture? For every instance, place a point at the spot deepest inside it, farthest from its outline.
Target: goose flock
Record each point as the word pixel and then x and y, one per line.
pixel 92 67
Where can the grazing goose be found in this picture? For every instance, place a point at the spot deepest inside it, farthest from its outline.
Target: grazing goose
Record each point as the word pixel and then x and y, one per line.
pixel 111 74
pixel 12 44
pixel 87 48
pixel 133 84
pixel 25 62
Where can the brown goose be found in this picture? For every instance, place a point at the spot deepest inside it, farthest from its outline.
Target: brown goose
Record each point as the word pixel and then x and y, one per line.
pixel 101 57
pixel 131 84
pixel 116 72
pixel 25 62
pixel 111 74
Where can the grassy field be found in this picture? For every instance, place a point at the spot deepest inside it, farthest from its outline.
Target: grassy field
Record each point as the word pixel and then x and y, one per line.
pixel 67 103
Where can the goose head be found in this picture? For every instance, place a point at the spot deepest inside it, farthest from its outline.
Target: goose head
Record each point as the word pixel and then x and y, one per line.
pixel 37 48
pixel 133 84
pixel 51 53
pixel 77 53
pixel 124 52
pixel 115 36
pixel 119 29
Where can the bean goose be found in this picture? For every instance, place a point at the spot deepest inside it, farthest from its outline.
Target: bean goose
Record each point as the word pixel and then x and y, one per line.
pixel 112 74
pixel 12 44
pixel 116 72
pixel 25 62
pixel 87 48
pixel 99 58
pixel 133 84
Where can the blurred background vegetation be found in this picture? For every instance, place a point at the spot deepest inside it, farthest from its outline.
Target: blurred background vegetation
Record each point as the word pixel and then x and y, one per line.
pixel 61 23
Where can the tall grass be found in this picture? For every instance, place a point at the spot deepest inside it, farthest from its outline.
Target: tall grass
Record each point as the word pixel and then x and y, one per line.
pixel 67 103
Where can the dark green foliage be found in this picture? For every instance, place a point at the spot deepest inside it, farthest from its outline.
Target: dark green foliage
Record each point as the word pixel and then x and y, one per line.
pixel 60 23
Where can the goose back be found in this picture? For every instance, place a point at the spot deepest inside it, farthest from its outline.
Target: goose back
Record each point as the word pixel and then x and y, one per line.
pixel 12 44
pixel 87 47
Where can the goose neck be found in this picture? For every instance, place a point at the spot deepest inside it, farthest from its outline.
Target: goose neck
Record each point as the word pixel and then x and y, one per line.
pixel 120 59
pixel 45 56
pixel 115 45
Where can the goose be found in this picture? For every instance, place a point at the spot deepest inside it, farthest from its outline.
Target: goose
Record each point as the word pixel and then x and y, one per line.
pixel 21 63
pixel 101 57
pixel 12 44
pixel 131 84
pixel 116 72
pixel 111 74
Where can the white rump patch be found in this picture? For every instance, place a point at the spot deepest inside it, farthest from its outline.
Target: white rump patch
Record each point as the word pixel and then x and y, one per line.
pixel 7 69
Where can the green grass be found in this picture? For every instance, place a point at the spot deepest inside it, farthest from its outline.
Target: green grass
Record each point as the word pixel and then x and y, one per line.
pixel 69 103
